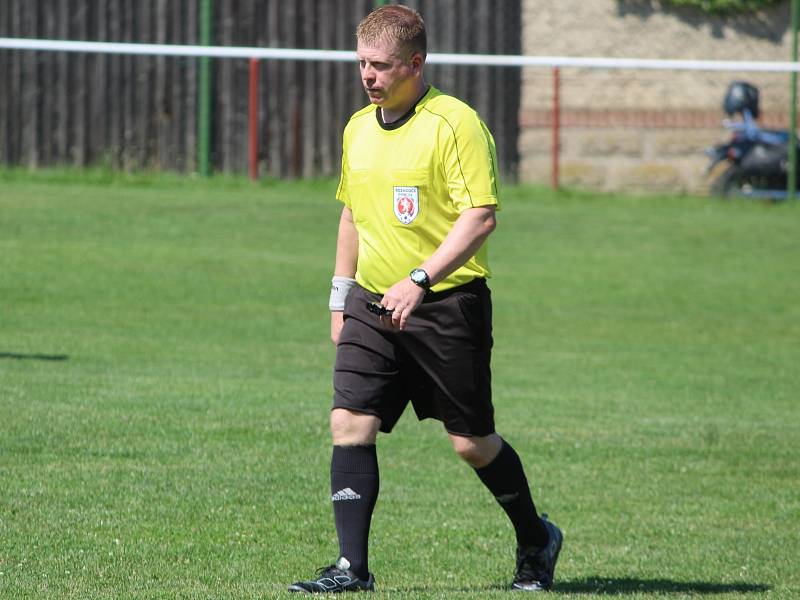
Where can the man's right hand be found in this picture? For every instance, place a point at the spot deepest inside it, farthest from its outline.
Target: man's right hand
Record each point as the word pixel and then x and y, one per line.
pixel 337 322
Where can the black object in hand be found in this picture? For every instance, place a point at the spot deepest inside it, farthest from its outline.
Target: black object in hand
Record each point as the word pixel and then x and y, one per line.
pixel 378 309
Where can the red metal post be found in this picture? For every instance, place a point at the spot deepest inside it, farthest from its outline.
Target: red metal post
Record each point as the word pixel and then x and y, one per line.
pixel 253 120
pixel 555 146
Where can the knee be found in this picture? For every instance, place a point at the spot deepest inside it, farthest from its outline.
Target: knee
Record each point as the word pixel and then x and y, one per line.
pixel 477 451
pixel 349 428
pixel 467 450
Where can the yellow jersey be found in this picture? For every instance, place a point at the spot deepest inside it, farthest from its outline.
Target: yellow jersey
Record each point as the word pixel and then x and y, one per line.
pixel 406 185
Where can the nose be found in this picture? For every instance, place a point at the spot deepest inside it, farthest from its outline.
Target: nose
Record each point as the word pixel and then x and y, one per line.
pixel 367 73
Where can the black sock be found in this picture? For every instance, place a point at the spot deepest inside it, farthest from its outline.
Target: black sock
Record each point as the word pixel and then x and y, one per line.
pixel 354 490
pixel 506 479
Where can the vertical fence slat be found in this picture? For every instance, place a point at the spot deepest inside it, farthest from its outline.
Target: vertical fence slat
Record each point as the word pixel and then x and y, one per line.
pixel 79 90
pixel 29 122
pixel 99 117
pixel 499 105
pixel 511 80
pixel 116 105
pixel 15 99
pixel 192 70
pixel 224 90
pixel 47 70
pixel 449 43
pixel 61 87
pixel 325 78
pixel 5 75
pixel 273 89
pixel 340 90
pixel 175 89
pixel 309 101
pixel 269 85
pixel 142 90
pixel 128 92
pixel 260 39
pixel 161 114
pixel 294 75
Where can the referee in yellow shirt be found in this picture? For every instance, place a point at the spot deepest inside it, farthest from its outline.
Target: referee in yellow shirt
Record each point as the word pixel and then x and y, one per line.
pixel 410 309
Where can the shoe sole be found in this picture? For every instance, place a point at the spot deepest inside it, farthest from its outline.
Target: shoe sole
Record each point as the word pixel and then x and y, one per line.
pixel 296 588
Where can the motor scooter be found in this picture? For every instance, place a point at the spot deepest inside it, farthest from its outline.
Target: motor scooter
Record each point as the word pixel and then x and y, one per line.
pixel 755 160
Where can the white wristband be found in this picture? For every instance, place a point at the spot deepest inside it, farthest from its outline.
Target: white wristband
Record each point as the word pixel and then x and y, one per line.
pixel 340 286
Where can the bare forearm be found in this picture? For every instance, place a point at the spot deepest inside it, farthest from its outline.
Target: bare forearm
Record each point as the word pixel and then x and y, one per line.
pixel 346 246
pixel 346 261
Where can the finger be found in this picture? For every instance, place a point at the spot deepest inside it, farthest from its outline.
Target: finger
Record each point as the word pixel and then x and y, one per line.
pixel 404 317
pixel 397 315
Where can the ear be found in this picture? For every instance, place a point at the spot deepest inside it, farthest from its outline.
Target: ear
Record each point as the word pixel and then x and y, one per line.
pixel 417 62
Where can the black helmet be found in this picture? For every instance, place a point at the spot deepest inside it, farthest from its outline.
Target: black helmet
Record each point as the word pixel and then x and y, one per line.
pixel 741 95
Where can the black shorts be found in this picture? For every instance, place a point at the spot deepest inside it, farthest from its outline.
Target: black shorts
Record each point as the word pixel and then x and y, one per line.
pixel 440 362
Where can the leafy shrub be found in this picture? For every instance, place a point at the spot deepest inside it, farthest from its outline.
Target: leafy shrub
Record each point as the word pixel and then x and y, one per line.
pixel 726 6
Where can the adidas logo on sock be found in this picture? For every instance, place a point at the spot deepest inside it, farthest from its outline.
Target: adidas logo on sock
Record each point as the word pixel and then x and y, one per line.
pixel 345 494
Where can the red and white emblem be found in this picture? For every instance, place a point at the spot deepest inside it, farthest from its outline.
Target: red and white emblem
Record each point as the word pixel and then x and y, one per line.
pixel 406 203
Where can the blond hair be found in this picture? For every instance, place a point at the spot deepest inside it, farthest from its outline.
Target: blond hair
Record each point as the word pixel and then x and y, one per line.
pixel 397 24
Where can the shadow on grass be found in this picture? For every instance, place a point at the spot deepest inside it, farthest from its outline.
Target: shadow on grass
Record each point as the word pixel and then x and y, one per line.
pixel 618 586
pixel 17 356
pixel 631 585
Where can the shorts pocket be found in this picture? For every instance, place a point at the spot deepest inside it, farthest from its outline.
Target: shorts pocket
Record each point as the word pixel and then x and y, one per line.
pixel 476 311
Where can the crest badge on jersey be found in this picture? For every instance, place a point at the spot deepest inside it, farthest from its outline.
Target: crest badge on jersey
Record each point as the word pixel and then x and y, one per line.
pixel 406 203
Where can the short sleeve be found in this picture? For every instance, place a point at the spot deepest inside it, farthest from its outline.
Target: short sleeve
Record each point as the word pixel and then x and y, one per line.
pixel 342 192
pixel 469 160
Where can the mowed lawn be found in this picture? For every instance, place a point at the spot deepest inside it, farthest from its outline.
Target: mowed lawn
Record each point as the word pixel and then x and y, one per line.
pixel 165 381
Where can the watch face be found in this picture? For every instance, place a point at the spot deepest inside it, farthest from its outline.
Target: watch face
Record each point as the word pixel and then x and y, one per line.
pixel 419 277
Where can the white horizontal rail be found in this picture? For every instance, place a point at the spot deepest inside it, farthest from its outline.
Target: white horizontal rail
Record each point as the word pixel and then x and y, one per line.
pixel 177 50
pixel 497 60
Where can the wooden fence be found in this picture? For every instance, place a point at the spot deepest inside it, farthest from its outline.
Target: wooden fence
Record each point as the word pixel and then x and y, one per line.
pixel 141 112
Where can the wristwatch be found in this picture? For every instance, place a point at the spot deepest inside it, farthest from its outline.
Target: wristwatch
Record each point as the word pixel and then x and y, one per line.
pixel 421 278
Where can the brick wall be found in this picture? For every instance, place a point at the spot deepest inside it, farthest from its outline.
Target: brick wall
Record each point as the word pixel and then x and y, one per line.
pixel 640 130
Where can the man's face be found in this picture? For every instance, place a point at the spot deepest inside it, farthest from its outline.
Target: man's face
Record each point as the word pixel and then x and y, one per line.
pixel 388 79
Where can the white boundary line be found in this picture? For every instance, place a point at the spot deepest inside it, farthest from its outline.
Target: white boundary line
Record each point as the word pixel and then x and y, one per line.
pixel 498 60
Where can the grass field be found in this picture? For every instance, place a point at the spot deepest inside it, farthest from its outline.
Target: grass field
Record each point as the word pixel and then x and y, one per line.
pixel 165 379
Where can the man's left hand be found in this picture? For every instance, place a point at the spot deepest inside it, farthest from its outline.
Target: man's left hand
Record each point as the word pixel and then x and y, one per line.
pixel 402 298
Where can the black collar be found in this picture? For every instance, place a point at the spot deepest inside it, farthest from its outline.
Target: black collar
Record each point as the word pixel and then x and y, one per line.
pixel 402 120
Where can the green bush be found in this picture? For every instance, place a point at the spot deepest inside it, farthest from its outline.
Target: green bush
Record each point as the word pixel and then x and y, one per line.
pixel 726 6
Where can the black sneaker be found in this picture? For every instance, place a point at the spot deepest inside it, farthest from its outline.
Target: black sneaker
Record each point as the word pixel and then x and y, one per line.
pixel 536 567
pixel 334 579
